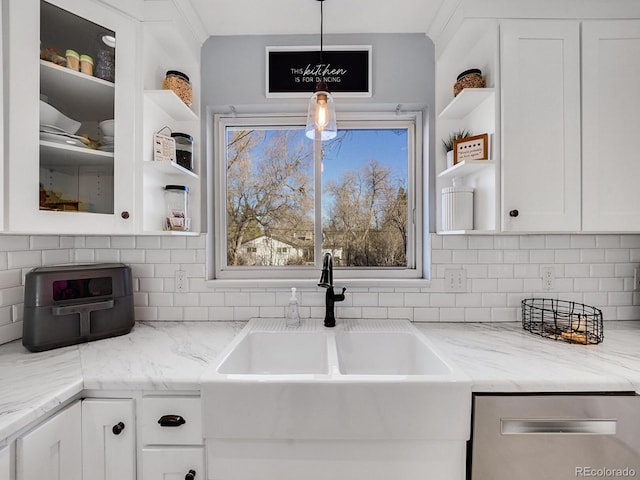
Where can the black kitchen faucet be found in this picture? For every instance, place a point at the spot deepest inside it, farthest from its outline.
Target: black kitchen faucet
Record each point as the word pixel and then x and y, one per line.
pixel 326 281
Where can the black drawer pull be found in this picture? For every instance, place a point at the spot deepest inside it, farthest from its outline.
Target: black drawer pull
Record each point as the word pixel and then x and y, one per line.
pixel 514 213
pixel 191 475
pixel 171 421
pixel 118 428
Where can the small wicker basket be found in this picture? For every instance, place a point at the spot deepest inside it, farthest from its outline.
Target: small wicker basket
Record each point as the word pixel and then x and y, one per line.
pixel 563 320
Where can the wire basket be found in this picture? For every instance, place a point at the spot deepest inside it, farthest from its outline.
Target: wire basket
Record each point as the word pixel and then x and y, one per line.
pixel 562 320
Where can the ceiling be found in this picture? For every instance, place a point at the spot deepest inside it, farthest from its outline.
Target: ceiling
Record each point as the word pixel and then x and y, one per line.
pixel 261 17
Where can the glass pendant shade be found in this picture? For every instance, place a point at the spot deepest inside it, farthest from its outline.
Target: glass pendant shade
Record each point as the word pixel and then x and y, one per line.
pixel 321 115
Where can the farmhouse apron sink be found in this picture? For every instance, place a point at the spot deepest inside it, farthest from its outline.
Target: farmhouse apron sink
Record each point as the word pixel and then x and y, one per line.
pixel 375 391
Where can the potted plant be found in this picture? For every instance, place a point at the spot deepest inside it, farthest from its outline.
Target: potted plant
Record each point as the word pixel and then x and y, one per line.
pixel 448 143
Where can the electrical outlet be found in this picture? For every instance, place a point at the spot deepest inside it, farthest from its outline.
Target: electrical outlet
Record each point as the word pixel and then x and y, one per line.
pixel 181 281
pixel 455 280
pixel 548 278
pixel 636 279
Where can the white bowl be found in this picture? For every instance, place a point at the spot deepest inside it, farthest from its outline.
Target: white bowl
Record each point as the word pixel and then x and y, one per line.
pixel 107 127
pixel 50 116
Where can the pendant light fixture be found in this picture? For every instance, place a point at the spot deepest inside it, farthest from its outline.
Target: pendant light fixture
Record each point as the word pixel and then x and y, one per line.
pixel 321 115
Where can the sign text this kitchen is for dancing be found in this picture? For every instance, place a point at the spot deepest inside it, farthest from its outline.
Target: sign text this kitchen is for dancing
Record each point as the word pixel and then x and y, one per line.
pixel 295 71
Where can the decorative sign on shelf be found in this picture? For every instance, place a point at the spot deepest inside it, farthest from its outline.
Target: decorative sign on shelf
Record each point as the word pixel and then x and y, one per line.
pixel 471 148
pixel 295 71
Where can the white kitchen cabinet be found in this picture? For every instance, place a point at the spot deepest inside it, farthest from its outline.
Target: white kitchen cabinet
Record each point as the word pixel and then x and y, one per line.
pixel 92 190
pixel 540 89
pixel 610 124
pixel 5 464
pixel 52 450
pixel 108 439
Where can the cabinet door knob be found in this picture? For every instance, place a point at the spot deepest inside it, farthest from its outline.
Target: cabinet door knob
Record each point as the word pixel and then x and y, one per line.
pixel 125 214
pixel 118 428
pixel 514 213
pixel 191 475
pixel 171 421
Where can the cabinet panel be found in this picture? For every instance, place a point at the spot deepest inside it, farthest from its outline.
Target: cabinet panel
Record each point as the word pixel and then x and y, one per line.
pixel 173 463
pixel 5 464
pixel 108 440
pixel 540 79
pixel 610 102
pixel 52 450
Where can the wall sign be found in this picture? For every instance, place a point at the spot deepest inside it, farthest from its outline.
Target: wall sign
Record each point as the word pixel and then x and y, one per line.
pixel 471 148
pixel 294 71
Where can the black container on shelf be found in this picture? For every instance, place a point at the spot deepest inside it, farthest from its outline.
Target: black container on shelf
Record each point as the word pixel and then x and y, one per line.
pixel 184 149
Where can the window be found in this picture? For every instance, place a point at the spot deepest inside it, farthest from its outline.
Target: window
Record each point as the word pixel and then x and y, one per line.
pixel 280 204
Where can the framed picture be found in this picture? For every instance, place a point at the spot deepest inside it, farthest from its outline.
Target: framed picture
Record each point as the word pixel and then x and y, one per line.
pixel 294 71
pixel 471 148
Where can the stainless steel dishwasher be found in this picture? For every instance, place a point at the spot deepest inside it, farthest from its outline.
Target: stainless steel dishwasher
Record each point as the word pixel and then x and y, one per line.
pixel 555 437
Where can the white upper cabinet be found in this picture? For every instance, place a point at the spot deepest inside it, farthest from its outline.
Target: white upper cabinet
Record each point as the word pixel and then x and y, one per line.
pixel 540 88
pixel 610 125
pixel 58 183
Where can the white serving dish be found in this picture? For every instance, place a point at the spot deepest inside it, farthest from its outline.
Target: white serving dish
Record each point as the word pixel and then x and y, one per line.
pixel 53 117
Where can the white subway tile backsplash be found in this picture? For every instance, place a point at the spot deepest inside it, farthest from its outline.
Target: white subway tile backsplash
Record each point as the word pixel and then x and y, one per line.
pixel 44 242
pixel 557 241
pixel 22 259
pixel 157 256
pixel 516 256
pixel 565 255
pixel 55 257
pixel 542 256
pixel 617 255
pixel 506 242
pixel 108 256
pixel 501 270
pixel 608 241
pixel 532 242
pixel 481 242
pixel 583 241
pixel 490 256
pixel 98 242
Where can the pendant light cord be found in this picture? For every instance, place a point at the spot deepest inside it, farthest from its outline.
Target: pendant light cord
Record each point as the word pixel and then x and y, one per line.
pixel 321 28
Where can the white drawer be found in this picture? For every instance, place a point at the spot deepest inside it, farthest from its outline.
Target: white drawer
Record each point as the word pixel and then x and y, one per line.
pixel 182 418
pixel 173 462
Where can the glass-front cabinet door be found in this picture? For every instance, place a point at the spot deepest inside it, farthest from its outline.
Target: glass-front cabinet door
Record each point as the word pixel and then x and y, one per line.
pixel 72 118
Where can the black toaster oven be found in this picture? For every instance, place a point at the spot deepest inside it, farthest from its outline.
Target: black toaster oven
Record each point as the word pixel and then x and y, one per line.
pixel 69 304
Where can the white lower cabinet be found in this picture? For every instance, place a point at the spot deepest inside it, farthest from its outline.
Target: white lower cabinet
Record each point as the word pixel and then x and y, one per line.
pixel 5 464
pixel 108 439
pixel 171 437
pixel 52 450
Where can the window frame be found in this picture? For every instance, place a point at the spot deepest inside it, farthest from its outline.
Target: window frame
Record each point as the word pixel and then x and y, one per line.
pixel 416 183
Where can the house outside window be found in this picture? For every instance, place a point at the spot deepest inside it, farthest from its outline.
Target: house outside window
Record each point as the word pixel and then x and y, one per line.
pixel 280 205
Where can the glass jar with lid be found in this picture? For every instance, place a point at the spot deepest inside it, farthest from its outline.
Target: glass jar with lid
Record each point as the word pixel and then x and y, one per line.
pixel 179 83
pixel 177 208
pixel 184 149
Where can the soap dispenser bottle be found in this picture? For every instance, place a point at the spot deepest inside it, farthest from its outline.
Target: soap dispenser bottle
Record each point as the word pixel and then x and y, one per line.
pixel 293 313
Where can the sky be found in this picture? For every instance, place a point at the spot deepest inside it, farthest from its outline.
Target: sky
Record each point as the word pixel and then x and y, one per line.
pixel 388 147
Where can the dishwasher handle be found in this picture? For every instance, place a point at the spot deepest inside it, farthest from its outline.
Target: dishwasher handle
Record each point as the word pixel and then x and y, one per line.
pixel 558 426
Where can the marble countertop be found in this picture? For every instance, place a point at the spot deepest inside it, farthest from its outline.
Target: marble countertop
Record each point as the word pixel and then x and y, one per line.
pixel 498 357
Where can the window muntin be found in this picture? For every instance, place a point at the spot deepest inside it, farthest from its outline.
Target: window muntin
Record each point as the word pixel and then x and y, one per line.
pixel 371 195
